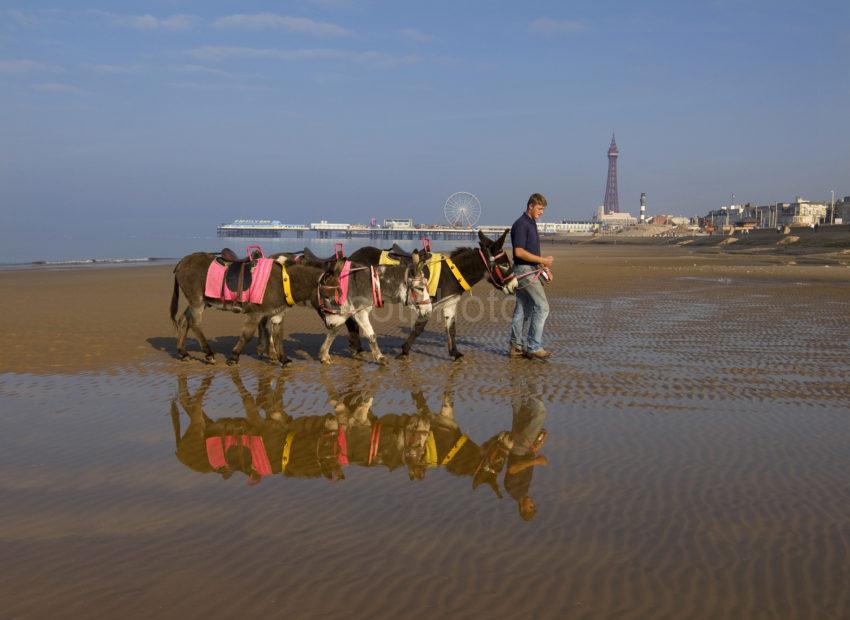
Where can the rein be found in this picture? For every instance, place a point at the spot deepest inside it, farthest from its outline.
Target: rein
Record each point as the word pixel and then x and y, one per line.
pixel 374 441
pixel 535 276
pixel 494 272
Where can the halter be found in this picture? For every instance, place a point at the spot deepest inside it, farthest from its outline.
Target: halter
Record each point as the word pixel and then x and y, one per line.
pixel 494 270
pixel 412 446
pixel 496 453
pixel 412 298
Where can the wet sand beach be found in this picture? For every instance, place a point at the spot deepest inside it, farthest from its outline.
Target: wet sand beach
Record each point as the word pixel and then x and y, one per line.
pixel 696 415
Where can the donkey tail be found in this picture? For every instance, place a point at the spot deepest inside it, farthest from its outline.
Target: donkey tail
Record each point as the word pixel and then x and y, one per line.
pixel 175 296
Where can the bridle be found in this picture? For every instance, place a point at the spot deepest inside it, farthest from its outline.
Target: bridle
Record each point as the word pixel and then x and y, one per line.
pixel 416 283
pixel 499 274
pixel 494 457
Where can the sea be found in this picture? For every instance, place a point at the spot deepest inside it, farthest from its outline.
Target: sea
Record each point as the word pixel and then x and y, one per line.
pixel 117 250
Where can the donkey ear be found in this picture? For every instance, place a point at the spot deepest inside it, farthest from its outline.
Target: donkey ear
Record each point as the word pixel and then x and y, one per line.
pixel 417 262
pixel 501 240
pixel 483 239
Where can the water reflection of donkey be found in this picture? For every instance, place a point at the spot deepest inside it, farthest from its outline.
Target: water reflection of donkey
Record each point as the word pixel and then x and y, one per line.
pixel 259 444
pixel 307 446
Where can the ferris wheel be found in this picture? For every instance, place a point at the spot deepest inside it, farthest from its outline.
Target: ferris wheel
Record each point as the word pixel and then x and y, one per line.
pixel 462 210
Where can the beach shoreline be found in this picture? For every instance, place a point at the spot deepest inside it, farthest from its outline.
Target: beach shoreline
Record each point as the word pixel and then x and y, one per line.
pixel 92 318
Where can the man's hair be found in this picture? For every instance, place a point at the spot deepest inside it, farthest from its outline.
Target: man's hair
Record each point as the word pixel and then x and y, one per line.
pixel 527 512
pixel 536 199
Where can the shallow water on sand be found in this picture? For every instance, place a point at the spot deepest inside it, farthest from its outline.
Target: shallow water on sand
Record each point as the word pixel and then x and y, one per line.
pixel 697 467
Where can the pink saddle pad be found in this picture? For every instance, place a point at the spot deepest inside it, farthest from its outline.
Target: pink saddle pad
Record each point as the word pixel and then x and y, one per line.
pixel 216 447
pixel 254 294
pixel 343 281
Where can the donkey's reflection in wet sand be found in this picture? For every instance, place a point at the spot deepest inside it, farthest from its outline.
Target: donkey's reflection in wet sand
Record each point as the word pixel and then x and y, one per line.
pixel 266 440
pixel 226 445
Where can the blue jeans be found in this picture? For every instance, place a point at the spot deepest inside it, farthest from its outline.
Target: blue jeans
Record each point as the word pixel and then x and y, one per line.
pixel 530 311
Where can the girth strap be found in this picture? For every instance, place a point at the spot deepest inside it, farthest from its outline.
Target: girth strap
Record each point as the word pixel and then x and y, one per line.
pixel 287 286
pixel 287 450
pixel 457 274
pixel 455 449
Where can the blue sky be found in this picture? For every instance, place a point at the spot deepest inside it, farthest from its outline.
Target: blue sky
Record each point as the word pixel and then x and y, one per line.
pixel 183 114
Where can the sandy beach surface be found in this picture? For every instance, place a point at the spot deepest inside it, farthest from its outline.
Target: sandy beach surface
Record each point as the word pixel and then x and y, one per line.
pixel 696 410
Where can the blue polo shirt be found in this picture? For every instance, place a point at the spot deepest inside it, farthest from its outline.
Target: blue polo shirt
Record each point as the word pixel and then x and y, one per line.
pixel 524 235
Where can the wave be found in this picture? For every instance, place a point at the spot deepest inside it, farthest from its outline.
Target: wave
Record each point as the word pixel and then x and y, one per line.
pixel 98 261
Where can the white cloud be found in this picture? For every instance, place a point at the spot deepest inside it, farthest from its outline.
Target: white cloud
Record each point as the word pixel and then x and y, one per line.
pixel 57 87
pixel 550 26
pixel 104 69
pixel 200 69
pixel 260 21
pixel 149 22
pixel 372 59
pixel 413 35
pixel 23 65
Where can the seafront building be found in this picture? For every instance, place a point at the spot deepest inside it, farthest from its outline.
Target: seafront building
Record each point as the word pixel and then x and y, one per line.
pixel 613 220
pixel 801 212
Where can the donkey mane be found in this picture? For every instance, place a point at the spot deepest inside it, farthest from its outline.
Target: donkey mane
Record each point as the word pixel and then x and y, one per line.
pixel 460 250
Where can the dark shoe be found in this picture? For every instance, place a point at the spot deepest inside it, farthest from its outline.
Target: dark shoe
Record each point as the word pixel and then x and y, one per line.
pixel 541 354
pixel 515 352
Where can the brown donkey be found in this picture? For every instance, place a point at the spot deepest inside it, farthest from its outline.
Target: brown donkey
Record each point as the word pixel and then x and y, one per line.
pixel 190 276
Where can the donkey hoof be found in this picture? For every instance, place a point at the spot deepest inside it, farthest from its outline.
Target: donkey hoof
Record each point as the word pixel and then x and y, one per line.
pixel 183 357
pixel 285 362
pixel 326 361
pixel 383 361
pixel 403 355
pixel 232 361
pixel 457 355
pixel 209 359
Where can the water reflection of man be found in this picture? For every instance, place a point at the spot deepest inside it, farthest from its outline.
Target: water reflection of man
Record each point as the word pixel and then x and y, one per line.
pixel 528 435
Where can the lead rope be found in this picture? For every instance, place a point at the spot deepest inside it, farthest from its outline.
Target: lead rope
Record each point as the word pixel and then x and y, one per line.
pixel 535 275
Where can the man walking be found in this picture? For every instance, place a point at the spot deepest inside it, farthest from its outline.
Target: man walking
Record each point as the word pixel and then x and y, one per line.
pixel 532 307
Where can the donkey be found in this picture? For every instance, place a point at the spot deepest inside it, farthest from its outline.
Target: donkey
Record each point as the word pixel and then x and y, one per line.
pixel 190 276
pixel 396 283
pixel 474 264
pixel 457 452
pixel 368 287
pixel 367 255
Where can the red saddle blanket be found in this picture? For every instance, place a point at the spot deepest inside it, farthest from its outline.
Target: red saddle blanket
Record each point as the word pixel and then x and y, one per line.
pixel 254 294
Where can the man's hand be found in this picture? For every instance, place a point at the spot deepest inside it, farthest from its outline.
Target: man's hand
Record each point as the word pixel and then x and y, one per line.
pixel 547 261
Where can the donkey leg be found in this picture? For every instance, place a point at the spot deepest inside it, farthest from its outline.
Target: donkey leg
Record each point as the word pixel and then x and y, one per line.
pixel 450 316
pixel 195 324
pixel 324 350
pixel 362 318
pixel 265 347
pixel 418 328
pixel 182 329
pixel 354 343
pixel 275 335
pixel 248 330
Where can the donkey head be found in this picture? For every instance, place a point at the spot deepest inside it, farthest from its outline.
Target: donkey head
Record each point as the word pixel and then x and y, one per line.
pixel 414 452
pixel 494 455
pixel 496 261
pixel 417 287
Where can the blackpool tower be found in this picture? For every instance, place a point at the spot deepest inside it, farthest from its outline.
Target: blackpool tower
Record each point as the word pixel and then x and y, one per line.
pixel 612 204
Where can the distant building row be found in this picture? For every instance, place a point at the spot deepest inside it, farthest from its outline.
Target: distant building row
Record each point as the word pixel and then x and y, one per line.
pixel 801 212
